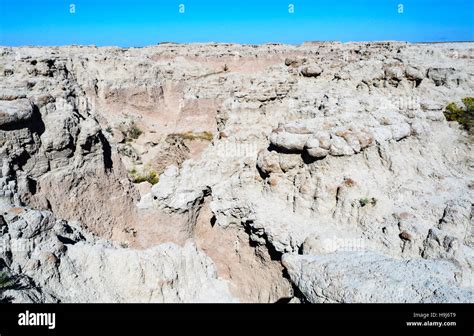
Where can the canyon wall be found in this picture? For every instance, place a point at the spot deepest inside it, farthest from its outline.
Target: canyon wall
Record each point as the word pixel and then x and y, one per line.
pixel 325 172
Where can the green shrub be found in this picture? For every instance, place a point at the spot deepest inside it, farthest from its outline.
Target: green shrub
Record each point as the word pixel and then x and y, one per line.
pixel 365 201
pixel 6 280
pixel 150 176
pixel 134 132
pixel 469 103
pixel 153 177
pixel 452 109
pixel 206 136
pixel 465 117
pixel 131 132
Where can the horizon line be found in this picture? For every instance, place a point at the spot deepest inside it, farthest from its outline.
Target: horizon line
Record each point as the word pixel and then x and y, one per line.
pixel 235 43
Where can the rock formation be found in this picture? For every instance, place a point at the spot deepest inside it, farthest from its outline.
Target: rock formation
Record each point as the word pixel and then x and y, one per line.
pixel 237 173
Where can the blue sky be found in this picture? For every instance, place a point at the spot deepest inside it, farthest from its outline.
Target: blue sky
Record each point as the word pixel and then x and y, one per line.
pixel 146 22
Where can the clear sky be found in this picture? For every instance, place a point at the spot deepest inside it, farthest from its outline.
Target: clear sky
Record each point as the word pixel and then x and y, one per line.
pixel 146 22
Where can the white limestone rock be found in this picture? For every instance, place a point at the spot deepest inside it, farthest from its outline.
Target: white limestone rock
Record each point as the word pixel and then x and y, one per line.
pixel 347 277
pixel 15 111
pixel 289 141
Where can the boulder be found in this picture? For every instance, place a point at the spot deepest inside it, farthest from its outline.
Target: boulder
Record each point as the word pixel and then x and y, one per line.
pixel 340 147
pixel 345 277
pixel 311 71
pixel 289 141
pixel 15 111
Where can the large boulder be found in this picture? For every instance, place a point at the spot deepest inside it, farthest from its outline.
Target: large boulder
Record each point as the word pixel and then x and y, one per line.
pixel 346 277
pixel 15 111
pixel 311 71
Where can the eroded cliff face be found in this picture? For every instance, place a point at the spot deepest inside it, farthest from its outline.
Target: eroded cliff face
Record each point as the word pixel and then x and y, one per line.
pixel 213 172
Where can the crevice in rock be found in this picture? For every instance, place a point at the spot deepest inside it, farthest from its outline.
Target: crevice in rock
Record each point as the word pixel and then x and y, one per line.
pixel 66 241
pixel 255 271
pixel 263 175
pixel 273 148
pixel 296 291
pixel 308 159
pixel 108 163
pixel 276 256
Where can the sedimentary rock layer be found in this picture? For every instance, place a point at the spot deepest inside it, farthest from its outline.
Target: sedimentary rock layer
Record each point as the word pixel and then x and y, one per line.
pixel 220 172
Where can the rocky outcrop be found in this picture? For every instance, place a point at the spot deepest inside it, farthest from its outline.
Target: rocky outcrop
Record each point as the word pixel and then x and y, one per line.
pixel 368 277
pixel 15 111
pixel 54 152
pixel 61 263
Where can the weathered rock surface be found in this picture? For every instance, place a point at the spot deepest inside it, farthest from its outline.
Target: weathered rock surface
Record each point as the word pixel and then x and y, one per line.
pixel 15 111
pixel 61 263
pixel 367 277
pixel 320 154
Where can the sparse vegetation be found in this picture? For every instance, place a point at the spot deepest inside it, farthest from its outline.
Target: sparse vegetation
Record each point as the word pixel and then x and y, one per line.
pixel 469 103
pixel 465 117
pixel 128 151
pixel 131 231
pixel 131 132
pixel 134 132
pixel 206 136
pixel 150 176
pixel 6 280
pixel 365 201
pixel 109 130
pixel 349 182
